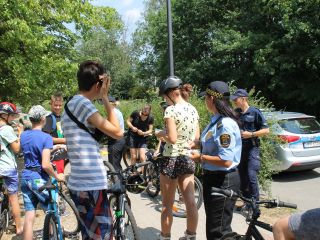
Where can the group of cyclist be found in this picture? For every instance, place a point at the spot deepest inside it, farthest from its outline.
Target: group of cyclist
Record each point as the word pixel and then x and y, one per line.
pixel 230 139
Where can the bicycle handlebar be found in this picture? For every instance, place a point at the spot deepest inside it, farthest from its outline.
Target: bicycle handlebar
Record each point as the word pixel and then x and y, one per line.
pixel 268 203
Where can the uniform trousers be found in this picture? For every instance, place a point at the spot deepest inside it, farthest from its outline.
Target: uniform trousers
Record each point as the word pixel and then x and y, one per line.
pixel 218 208
pixel 248 169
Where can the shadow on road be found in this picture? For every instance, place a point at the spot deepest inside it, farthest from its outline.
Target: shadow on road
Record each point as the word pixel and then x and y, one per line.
pixel 149 233
pixel 296 176
pixel 154 202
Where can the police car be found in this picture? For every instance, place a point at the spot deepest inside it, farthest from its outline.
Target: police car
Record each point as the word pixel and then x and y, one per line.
pixel 301 140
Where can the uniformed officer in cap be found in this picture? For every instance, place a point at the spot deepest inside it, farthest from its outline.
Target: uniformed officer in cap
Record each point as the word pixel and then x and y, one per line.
pixel 253 126
pixel 220 155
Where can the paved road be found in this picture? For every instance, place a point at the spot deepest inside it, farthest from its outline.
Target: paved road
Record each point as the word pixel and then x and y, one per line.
pixel 301 188
pixel 297 187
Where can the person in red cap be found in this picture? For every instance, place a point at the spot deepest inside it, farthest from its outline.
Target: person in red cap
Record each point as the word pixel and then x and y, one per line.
pixel 10 145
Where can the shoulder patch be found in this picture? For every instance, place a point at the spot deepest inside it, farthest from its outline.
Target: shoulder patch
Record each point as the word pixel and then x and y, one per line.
pixel 225 140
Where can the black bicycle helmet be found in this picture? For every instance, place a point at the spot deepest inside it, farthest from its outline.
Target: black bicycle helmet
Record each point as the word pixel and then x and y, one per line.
pixel 8 108
pixel 135 184
pixel 171 82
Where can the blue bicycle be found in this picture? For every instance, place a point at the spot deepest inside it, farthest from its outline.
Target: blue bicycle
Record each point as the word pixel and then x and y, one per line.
pixel 62 217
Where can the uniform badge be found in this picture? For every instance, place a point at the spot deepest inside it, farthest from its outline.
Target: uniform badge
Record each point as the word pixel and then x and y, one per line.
pixel 225 140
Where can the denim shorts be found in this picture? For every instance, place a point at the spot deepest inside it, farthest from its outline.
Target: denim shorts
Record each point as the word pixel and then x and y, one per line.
pixel 31 196
pixel 305 225
pixel 10 179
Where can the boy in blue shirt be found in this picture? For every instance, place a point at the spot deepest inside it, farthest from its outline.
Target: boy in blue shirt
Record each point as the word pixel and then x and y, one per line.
pixel 36 147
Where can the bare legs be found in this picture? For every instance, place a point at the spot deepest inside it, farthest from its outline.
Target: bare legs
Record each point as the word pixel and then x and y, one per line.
pixel 14 202
pixel 168 187
pixel 281 230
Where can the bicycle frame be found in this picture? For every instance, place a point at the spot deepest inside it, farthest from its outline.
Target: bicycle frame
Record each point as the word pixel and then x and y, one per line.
pixel 53 206
pixel 119 213
pixel 254 232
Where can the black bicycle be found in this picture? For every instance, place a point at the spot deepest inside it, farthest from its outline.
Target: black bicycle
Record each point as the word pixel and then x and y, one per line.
pixel 152 176
pixel 124 225
pixel 252 214
pixel 5 213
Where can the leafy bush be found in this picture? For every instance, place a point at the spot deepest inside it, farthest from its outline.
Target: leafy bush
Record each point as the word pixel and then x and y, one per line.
pixel 267 150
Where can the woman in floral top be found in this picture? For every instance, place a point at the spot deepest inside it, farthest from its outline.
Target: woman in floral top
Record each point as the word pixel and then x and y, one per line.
pixel 176 168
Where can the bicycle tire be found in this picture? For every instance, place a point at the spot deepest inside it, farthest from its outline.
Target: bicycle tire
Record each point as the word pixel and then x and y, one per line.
pixel 4 221
pixel 178 209
pixel 111 178
pixel 69 215
pixel 131 231
pixel 126 156
pixel 49 224
pixel 153 187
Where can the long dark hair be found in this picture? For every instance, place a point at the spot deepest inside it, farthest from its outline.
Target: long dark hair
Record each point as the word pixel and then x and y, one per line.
pixel 224 108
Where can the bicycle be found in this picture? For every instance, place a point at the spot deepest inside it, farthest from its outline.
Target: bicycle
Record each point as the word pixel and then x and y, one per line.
pixel 152 175
pixel 252 214
pixel 5 213
pixel 62 218
pixel 125 226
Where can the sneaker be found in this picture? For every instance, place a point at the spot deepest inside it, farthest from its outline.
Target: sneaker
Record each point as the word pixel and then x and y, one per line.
pixel 188 236
pixel 160 237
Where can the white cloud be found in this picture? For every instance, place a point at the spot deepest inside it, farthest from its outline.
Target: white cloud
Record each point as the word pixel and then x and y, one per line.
pixel 127 2
pixel 132 15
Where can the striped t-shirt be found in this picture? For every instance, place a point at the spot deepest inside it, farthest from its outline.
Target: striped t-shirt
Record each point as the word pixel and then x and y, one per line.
pixel 87 168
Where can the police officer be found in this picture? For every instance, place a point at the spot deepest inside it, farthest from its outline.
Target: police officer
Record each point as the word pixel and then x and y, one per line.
pixel 220 155
pixel 253 126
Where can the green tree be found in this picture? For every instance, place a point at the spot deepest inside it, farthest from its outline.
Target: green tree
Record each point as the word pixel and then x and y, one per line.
pixel 37 51
pixel 113 51
pixel 272 45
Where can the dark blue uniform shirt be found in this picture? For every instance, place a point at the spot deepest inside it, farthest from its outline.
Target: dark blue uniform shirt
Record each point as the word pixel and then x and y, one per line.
pixel 252 120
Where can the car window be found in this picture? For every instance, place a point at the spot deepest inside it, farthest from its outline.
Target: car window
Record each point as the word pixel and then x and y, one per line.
pixel 300 126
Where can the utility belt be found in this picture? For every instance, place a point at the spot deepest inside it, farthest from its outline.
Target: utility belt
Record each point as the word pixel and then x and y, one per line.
pixel 251 142
pixel 220 172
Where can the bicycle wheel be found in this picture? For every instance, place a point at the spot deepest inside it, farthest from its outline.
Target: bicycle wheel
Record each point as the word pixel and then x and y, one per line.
pixel 4 220
pixel 126 156
pixel 69 215
pixel 67 171
pixel 152 174
pixel 50 230
pixel 111 178
pixel 127 223
pixel 179 208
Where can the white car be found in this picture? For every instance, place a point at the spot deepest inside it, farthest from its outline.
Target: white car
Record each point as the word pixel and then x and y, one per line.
pixel 301 133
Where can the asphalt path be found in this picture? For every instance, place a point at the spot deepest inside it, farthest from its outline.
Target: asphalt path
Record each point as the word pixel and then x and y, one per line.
pixel 301 188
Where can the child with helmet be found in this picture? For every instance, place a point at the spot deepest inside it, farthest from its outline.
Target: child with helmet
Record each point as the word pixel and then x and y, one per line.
pixel 10 145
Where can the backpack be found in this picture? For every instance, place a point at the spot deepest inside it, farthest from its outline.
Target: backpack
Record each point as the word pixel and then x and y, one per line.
pixel 54 122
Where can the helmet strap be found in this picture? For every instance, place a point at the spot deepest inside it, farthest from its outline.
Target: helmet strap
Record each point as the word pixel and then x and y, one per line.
pixel 171 99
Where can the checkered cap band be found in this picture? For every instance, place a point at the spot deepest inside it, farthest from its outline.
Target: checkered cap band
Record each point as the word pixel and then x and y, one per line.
pixel 214 93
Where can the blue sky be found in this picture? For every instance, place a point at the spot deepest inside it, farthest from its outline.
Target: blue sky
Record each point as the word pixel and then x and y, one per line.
pixel 130 10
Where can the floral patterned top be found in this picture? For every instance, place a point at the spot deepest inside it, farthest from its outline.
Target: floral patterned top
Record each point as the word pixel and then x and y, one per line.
pixel 186 118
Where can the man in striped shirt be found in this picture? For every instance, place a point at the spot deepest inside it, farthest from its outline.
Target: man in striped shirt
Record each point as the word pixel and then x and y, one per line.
pixel 88 180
